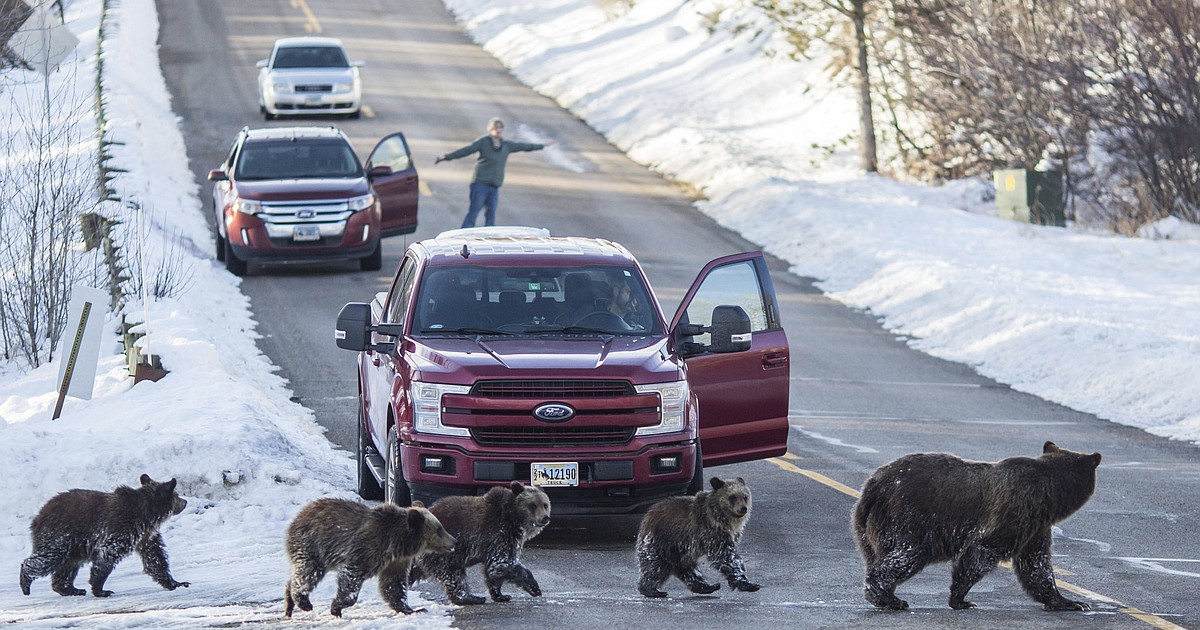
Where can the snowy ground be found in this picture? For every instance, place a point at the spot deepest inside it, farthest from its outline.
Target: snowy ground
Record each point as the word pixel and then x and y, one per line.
pixel 1103 324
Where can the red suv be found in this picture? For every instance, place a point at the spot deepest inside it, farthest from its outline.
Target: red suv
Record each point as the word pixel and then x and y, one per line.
pixel 300 194
pixel 504 354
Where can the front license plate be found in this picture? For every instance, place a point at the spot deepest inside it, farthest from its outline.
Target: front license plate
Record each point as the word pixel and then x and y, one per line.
pixel 306 233
pixel 555 474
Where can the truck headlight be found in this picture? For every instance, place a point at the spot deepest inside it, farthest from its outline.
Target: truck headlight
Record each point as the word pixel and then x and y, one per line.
pixel 673 407
pixel 361 203
pixel 427 408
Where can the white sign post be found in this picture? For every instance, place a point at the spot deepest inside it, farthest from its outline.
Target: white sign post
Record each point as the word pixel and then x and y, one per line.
pixel 80 347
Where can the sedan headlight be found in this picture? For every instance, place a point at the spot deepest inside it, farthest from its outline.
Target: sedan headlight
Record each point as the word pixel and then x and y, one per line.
pixel 361 203
pixel 427 408
pixel 342 88
pixel 281 86
pixel 673 407
pixel 247 206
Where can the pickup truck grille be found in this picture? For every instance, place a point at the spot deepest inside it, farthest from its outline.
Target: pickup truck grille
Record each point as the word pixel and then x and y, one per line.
pixel 552 389
pixel 552 436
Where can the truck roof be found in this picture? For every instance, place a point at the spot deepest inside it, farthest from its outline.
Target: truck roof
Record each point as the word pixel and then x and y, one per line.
pixel 520 245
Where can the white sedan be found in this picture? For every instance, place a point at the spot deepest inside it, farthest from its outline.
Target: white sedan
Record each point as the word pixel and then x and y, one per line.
pixel 309 75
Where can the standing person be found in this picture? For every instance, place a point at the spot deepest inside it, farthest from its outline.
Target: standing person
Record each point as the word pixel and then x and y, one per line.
pixel 493 152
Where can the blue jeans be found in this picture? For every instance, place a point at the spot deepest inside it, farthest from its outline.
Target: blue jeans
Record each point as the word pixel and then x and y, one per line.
pixel 486 197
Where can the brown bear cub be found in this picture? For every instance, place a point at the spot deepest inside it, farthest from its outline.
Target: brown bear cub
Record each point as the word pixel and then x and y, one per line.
pixel 360 542
pixel 80 526
pixel 933 507
pixel 490 529
pixel 678 531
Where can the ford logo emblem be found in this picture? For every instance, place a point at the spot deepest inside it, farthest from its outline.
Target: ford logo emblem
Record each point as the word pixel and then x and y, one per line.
pixel 554 412
pixel 306 214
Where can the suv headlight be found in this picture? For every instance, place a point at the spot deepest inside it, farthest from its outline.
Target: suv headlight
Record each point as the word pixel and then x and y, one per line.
pixel 427 408
pixel 361 203
pixel 342 88
pixel 281 86
pixel 673 407
pixel 246 206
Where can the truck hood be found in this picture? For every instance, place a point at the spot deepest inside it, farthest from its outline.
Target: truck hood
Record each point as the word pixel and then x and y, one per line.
pixel 303 189
pixel 464 360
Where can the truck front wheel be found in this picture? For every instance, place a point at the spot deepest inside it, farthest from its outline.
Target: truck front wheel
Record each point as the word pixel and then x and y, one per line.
pixel 697 483
pixel 368 487
pixel 395 487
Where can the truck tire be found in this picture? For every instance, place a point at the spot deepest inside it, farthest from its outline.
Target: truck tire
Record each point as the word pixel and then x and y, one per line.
pixel 373 262
pixel 395 487
pixel 368 488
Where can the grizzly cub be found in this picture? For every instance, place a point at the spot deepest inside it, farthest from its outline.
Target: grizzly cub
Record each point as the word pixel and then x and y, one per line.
pixel 360 542
pixel 678 531
pixel 933 507
pixel 490 529
pixel 81 526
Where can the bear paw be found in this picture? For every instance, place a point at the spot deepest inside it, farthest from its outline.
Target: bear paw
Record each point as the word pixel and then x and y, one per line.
pixel 961 604
pixel 172 585
pixel 97 593
pixel 1067 604
pixel 652 592
pixel 70 591
pixel 501 597
pixel 467 600
pixel 744 585
pixel 704 588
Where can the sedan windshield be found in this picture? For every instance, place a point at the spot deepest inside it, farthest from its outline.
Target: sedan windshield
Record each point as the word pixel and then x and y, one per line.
pixel 468 300
pixel 297 159
pixel 310 57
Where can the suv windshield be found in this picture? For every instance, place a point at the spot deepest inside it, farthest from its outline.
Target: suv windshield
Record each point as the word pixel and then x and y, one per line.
pixel 297 159
pixel 472 300
pixel 310 57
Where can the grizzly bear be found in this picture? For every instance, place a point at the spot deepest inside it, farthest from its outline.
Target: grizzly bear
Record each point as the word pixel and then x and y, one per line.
pixel 490 529
pixel 80 526
pixel 678 531
pixel 932 507
pixel 360 542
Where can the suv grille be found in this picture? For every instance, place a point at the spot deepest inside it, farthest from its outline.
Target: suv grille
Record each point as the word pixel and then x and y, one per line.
pixel 552 389
pixel 554 436
pixel 314 88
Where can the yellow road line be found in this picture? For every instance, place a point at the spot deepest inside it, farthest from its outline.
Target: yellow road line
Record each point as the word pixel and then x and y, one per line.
pixel 311 24
pixel 1157 622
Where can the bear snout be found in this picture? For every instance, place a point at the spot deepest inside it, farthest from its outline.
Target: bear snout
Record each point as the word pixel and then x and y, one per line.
pixel 178 505
pixel 544 521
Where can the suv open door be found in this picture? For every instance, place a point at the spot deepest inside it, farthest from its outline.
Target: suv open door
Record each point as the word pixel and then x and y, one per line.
pixel 743 396
pixel 394 179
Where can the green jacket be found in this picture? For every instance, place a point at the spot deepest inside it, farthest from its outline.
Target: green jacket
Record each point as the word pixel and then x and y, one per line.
pixel 489 168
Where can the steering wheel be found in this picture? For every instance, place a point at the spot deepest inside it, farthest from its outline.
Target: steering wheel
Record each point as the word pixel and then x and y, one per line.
pixel 603 319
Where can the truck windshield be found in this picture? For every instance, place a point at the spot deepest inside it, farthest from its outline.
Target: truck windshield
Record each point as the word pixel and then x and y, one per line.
pixel 478 300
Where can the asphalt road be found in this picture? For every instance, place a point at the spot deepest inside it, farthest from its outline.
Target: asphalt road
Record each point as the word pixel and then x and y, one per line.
pixel 860 396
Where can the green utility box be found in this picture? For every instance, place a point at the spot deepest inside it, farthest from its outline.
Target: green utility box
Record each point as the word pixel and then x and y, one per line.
pixel 1030 196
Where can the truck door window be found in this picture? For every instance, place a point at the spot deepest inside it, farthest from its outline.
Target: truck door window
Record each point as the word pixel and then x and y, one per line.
pixel 402 292
pixel 735 284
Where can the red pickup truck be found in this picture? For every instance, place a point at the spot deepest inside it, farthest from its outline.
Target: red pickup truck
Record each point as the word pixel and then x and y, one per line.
pixel 504 354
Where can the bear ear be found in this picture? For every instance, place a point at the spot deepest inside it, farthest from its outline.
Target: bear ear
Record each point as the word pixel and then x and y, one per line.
pixel 415 518
pixel 741 481
pixel 170 485
pixel 716 483
pixel 145 479
pixel 1095 459
pixel 1049 447
pixel 417 503
pixel 517 487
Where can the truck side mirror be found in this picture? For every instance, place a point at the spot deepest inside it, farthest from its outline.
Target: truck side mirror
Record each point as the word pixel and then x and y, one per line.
pixel 354 327
pixel 730 329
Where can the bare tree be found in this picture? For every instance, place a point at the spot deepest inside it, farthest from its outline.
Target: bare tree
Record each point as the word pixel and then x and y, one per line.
pixel 807 21
pixel 47 177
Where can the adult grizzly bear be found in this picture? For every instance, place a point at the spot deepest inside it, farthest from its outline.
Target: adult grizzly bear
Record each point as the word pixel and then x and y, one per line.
pixel 81 526
pixel 931 507
pixel 490 529
pixel 678 531
pixel 360 542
